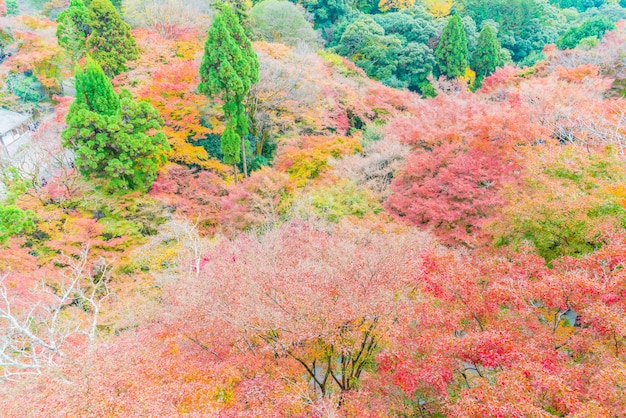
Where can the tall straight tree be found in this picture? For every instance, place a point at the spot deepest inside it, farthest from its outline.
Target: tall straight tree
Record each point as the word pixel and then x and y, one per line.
pixel 488 55
pixel 228 69
pixel 110 43
pixel 451 52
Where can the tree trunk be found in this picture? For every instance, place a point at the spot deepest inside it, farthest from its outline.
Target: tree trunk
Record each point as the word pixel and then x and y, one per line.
pixel 243 157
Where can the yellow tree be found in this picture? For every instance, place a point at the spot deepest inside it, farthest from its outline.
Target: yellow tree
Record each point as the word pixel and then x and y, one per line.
pixel 386 5
pixel 439 8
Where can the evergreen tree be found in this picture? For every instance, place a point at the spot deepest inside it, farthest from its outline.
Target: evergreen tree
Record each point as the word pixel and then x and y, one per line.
pixel 114 138
pixel 451 52
pixel 94 89
pixel 488 55
pixel 229 67
pixel 242 10
pixel 116 3
pixel 13 9
pixel 73 29
pixel 110 43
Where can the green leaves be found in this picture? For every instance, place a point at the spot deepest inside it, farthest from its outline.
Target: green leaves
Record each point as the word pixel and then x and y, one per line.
pixel 451 52
pixel 111 43
pixel 73 29
pixel 229 68
pixel 14 221
pixel 488 54
pixel 94 89
pixel 113 136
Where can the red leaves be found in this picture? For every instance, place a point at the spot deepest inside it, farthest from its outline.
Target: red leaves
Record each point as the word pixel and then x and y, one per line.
pixel 449 189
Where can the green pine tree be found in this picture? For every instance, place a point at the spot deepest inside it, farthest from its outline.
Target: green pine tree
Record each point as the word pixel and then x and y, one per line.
pixel 228 70
pixel 110 43
pixel 451 52
pixel 94 89
pixel 73 29
pixel 488 55
pixel 114 138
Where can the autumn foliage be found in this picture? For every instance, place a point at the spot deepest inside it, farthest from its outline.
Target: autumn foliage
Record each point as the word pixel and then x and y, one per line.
pixel 388 255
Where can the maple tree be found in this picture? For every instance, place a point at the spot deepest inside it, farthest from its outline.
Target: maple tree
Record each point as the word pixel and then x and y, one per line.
pixel 171 19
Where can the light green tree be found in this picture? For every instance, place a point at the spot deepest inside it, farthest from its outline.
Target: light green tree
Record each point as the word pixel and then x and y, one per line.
pixel 228 69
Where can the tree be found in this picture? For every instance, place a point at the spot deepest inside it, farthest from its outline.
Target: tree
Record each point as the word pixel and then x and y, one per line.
pixel 13 8
pixel 595 27
pixel 94 89
pixel 115 138
pixel 282 21
pixel 229 68
pixel 386 5
pixel 73 29
pixel 451 52
pixel 364 41
pixel 169 18
pixel 487 56
pixel 110 43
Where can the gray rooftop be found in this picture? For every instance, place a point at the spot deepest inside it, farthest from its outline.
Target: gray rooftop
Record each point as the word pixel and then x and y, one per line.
pixel 10 120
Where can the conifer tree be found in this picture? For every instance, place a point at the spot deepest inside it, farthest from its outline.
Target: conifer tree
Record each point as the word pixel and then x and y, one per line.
pixel 488 55
pixel 94 89
pixel 451 52
pixel 13 8
pixel 114 138
pixel 73 29
pixel 228 69
pixel 111 43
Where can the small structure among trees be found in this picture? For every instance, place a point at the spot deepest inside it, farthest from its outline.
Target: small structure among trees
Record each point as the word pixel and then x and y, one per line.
pixel 13 126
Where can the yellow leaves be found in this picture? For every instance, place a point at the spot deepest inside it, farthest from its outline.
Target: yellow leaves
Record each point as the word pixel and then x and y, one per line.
pixel 469 76
pixel 187 50
pixel 311 159
pixel 386 5
pixel 274 50
pixel 619 191
pixel 439 8
pixel 34 22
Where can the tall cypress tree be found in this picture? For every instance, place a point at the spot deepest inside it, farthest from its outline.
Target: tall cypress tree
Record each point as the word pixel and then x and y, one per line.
pixel 488 55
pixel 94 89
pixel 73 29
pixel 229 68
pixel 111 43
pixel 451 52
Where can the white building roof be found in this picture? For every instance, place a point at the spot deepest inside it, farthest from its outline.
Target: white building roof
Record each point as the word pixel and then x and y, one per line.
pixel 10 120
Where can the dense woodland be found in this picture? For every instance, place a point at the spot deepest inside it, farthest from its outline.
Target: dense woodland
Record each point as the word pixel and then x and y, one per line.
pixel 314 208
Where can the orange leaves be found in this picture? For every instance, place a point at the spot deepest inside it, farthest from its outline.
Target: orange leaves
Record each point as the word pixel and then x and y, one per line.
pixel 578 74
